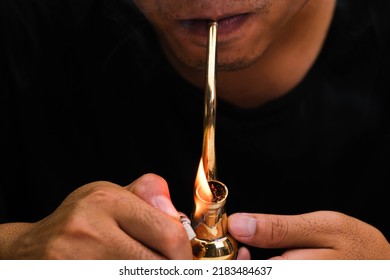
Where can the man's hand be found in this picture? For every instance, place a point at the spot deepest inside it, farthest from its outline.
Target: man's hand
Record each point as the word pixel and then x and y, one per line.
pixel 316 235
pixel 102 220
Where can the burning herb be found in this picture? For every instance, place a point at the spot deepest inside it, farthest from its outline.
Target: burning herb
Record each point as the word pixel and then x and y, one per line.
pixel 218 191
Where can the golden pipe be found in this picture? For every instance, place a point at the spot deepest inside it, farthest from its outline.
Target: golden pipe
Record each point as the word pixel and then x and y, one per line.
pixel 212 242
pixel 208 153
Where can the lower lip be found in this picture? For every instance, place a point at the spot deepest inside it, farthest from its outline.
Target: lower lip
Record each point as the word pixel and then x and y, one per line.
pixel 226 26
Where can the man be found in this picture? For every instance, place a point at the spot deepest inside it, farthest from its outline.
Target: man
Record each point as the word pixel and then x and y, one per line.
pixel 98 95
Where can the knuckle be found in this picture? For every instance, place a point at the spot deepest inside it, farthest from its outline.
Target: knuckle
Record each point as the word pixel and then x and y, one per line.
pixel 77 227
pixel 153 178
pixel 335 223
pixel 101 193
pixel 75 230
pixel 279 230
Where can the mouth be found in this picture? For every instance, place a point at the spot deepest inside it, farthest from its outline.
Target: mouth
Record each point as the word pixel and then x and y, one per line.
pixel 226 25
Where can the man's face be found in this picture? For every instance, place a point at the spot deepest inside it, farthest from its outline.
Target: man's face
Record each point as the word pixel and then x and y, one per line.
pixel 246 28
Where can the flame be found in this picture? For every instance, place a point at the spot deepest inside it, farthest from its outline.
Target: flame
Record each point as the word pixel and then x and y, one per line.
pixel 201 184
pixel 202 192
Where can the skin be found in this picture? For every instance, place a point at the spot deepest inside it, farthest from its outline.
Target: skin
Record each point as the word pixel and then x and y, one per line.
pixel 265 48
pixel 102 220
pixel 261 57
pixel 319 235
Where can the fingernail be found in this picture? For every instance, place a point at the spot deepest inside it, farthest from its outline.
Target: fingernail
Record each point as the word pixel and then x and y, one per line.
pixel 164 204
pixel 242 225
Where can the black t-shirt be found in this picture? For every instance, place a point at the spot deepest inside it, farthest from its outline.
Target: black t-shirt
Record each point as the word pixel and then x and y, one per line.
pixel 87 95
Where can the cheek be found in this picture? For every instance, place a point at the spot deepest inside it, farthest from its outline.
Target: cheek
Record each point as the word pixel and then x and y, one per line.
pixel 148 7
pixel 157 11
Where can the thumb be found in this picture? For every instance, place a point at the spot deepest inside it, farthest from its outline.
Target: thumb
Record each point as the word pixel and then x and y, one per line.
pixel 283 231
pixel 153 189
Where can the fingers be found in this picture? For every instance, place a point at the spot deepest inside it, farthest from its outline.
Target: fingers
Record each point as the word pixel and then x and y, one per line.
pixel 102 220
pixel 154 190
pixel 243 254
pixel 131 217
pixel 316 235
pixel 150 225
pixel 159 231
pixel 143 217
pixel 310 254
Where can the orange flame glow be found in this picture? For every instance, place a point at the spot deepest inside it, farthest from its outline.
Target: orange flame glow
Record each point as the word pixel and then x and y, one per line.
pixel 202 187
pixel 202 192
